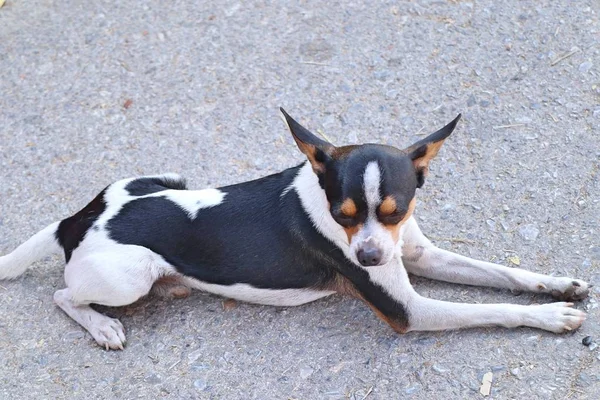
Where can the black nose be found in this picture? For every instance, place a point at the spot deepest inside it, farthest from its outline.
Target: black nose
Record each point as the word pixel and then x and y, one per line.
pixel 369 256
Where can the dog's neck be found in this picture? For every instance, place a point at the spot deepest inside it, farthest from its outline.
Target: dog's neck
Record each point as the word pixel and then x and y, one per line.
pixel 314 201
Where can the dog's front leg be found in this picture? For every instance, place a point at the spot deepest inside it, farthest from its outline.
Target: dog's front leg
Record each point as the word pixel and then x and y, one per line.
pixel 389 292
pixel 422 258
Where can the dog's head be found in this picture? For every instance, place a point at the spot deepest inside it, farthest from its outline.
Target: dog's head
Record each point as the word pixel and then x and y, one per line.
pixel 370 188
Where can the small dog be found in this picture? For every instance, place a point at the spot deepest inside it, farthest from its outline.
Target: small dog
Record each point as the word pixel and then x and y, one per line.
pixel 340 223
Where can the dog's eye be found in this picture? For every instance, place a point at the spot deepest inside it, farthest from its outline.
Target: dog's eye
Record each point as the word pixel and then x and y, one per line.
pixel 393 218
pixel 345 220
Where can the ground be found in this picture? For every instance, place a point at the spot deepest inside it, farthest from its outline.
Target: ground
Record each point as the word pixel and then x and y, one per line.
pixel 91 92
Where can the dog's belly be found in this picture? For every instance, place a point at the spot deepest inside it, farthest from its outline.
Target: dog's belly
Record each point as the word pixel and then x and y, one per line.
pixel 250 294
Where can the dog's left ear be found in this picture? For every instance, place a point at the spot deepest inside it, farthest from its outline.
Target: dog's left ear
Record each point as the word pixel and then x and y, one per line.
pixel 316 150
pixel 424 150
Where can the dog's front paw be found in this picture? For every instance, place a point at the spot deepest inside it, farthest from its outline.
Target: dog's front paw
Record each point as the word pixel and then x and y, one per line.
pixel 568 289
pixel 558 317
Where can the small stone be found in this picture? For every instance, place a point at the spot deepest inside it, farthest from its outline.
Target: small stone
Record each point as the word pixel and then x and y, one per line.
pixel 529 232
pixel 403 358
pixel 587 263
pixel 74 335
pixel 535 106
pixel 439 369
pixel 491 224
pixel 391 94
pixel 200 384
pixel 584 380
pixel 194 355
pixel 305 372
pixel 587 341
pixel 498 368
pixel 593 346
pixel 515 372
pixel 484 103
pixel 584 67
pixel 425 341
pixel 412 389
pixel 153 379
pixel 471 101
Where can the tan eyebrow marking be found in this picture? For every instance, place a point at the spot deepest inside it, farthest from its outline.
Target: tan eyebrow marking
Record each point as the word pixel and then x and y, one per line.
pixel 349 208
pixel 395 229
pixel 388 206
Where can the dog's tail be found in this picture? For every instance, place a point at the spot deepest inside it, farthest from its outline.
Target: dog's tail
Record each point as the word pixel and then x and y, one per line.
pixel 38 246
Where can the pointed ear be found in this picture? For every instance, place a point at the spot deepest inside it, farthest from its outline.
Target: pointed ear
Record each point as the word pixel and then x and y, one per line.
pixel 424 150
pixel 316 150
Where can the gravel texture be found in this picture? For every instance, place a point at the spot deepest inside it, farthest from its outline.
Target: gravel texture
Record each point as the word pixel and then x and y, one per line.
pixel 95 91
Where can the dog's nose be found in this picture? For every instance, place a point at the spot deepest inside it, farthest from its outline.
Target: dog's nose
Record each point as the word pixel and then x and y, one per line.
pixel 369 256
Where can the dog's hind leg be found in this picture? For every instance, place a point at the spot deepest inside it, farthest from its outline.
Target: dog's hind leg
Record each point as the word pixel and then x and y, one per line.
pixel 421 257
pixel 118 276
pixel 171 287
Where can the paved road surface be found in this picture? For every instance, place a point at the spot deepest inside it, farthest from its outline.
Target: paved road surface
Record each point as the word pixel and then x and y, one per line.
pixel 91 92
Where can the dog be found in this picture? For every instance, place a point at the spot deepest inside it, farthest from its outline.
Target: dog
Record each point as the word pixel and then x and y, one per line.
pixel 341 222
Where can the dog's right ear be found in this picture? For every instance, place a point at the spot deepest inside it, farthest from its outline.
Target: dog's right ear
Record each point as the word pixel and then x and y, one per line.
pixel 316 150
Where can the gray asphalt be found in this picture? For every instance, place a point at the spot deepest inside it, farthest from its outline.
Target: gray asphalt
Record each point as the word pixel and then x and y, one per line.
pixel 92 92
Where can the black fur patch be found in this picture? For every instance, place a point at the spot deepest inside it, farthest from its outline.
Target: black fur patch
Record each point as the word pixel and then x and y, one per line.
pixel 144 186
pixel 72 230
pixel 256 236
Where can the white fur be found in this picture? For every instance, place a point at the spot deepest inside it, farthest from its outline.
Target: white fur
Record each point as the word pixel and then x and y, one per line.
pixel 443 265
pixel 272 297
pixel 39 245
pixel 373 232
pixel 371 184
pixel 313 200
pixel 189 200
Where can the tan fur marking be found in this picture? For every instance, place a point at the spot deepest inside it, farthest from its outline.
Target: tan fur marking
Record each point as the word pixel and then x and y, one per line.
pixel 395 229
pixel 310 151
pixel 349 208
pixel 343 151
pixel 344 286
pixel 351 231
pixel 388 206
pixel 432 150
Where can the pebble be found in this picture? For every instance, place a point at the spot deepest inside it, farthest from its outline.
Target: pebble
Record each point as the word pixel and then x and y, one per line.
pixel 74 335
pixel 583 380
pixel 412 389
pixel 200 384
pixel 153 379
pixel 498 368
pixel 471 101
pixel 584 67
pixel 425 341
pixel 194 355
pixel 439 369
pixel 305 372
pixel 593 346
pixel 587 340
pixel 529 232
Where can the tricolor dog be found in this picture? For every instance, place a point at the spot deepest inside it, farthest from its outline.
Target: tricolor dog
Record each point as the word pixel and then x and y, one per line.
pixel 342 222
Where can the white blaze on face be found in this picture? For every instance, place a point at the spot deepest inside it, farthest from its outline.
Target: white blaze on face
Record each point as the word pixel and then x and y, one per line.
pixel 373 232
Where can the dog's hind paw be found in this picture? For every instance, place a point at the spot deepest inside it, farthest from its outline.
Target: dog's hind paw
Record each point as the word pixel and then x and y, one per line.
pixel 110 334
